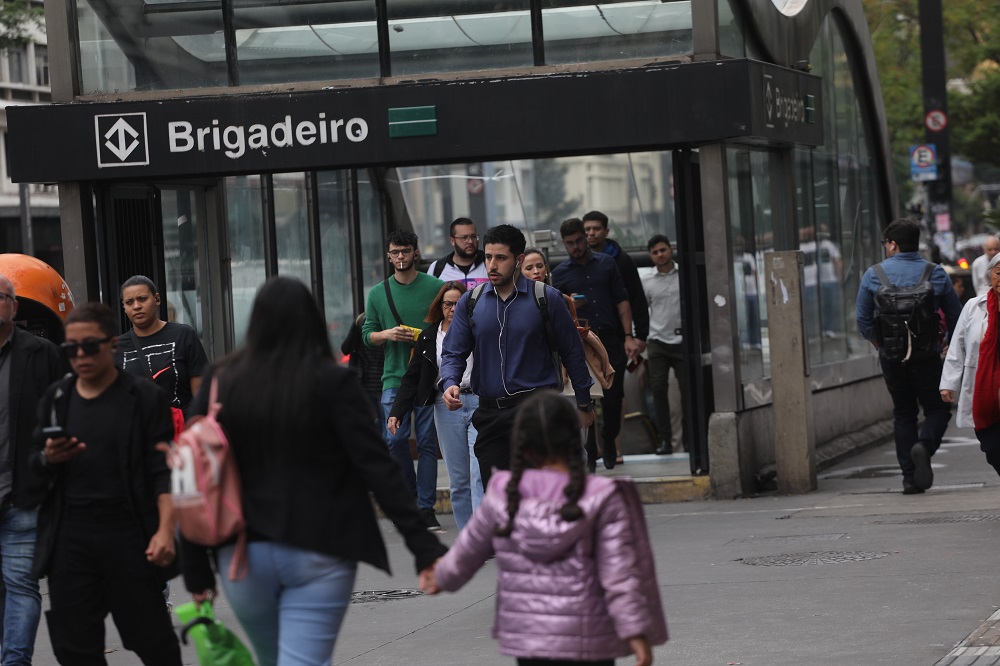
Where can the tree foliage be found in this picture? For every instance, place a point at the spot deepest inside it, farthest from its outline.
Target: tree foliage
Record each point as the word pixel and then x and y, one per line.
pixel 18 18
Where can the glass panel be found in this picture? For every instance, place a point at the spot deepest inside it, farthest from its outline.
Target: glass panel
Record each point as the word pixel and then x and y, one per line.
pixel 730 31
pixel 335 248
pixel 291 223
pixel 373 266
pixel 246 247
pixel 585 32
pixel 430 37
pixel 307 41
pixel 634 190
pixel 17 65
pixel 41 65
pixel 180 251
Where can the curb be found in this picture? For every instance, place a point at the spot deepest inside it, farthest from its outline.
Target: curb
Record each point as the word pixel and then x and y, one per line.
pixel 979 648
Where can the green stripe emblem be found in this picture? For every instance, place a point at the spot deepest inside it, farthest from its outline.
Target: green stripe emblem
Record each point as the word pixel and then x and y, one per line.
pixel 412 121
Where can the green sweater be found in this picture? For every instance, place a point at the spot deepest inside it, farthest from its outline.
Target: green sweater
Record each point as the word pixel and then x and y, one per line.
pixel 412 301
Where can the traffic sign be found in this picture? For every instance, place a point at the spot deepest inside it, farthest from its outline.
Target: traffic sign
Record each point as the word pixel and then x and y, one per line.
pixel 923 162
pixel 936 120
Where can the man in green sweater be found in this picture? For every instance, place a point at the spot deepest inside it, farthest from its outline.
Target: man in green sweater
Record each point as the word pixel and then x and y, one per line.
pixel 397 306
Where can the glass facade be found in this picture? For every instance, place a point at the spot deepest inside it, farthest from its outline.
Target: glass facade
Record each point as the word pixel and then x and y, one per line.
pixel 159 45
pixel 838 219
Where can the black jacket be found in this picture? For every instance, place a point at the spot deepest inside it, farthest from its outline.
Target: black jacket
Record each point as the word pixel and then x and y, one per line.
pixel 148 421
pixel 419 385
pixel 321 501
pixel 34 364
pixel 636 294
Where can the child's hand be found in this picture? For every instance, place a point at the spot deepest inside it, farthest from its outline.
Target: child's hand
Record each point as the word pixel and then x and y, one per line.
pixel 640 648
pixel 427 583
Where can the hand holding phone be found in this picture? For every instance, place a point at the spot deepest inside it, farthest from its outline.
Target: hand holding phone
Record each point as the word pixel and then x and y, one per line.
pixel 60 446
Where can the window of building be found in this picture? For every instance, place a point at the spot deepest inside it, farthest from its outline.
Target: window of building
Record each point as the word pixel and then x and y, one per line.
pixel 41 65
pixel 17 64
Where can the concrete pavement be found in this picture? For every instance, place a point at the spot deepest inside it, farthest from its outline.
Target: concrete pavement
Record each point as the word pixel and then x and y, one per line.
pixel 854 573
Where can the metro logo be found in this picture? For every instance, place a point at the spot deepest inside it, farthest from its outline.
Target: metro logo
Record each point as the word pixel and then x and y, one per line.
pixel 234 140
pixel 121 140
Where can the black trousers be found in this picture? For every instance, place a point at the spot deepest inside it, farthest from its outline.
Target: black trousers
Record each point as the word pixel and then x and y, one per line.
pixel 614 397
pixel 492 447
pixel 98 567
pixel 989 443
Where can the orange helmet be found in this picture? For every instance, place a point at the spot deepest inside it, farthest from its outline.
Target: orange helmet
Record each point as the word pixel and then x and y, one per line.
pixel 35 280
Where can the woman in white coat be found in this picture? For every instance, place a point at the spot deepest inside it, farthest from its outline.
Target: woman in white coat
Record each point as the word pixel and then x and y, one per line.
pixel 972 367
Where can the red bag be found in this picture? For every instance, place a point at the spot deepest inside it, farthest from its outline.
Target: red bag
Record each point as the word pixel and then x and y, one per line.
pixel 205 486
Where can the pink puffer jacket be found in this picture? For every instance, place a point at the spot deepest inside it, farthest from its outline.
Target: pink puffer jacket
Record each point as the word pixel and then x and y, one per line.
pixel 564 590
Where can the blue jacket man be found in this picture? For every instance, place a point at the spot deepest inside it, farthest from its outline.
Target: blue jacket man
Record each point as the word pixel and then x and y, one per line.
pixel 912 384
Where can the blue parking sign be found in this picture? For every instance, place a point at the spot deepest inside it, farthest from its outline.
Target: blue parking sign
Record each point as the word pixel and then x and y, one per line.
pixel 923 162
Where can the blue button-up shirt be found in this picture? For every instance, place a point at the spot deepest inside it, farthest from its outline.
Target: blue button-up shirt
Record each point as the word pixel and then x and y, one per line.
pixel 904 269
pixel 508 344
pixel 601 282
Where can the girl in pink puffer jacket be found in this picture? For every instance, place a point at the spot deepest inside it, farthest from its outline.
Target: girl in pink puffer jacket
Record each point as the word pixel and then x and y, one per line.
pixel 576 580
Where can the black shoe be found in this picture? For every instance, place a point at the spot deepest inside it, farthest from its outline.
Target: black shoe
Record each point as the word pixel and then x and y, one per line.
pixel 665 449
pixel 910 488
pixel 923 475
pixel 609 459
pixel 430 520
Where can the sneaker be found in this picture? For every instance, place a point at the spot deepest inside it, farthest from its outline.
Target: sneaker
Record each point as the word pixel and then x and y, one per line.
pixel 923 475
pixel 430 520
pixel 910 488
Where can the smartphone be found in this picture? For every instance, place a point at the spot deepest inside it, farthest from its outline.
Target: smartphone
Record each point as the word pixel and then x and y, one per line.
pixel 579 297
pixel 54 432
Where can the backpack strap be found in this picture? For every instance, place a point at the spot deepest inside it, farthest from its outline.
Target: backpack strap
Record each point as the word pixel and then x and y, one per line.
pixel 470 303
pixel 439 267
pixel 213 397
pixel 392 304
pixel 928 269
pixel 542 302
pixel 883 278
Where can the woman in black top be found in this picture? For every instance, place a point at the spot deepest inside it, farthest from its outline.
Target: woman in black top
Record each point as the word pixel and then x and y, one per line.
pixel 308 455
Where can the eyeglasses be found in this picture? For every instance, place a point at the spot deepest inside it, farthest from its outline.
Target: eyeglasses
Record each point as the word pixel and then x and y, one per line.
pixel 448 305
pixel 884 241
pixel 401 253
pixel 3 296
pixel 89 347
pixel 466 238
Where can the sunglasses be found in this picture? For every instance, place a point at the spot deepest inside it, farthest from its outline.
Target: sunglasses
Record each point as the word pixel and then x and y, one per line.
pixel 89 347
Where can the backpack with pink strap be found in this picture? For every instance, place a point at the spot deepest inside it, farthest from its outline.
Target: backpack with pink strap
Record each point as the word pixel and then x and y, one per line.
pixel 205 486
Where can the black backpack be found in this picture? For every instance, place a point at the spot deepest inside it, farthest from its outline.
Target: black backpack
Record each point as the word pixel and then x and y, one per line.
pixel 906 327
pixel 543 308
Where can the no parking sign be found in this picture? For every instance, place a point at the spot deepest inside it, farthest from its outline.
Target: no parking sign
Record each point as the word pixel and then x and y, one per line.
pixel 923 162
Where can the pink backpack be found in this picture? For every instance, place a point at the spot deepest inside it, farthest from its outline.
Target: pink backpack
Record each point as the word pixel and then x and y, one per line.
pixel 205 486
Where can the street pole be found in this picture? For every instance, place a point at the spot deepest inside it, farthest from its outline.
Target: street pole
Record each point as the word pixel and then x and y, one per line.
pixel 936 113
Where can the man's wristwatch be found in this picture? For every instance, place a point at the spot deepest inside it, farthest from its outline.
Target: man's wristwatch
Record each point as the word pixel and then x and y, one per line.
pixel 586 408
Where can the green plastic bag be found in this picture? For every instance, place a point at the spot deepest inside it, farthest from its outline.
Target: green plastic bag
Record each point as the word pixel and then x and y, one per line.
pixel 216 645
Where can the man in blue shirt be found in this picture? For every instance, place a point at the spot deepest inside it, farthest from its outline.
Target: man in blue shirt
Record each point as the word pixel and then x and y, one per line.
pixel 913 383
pixel 511 356
pixel 597 288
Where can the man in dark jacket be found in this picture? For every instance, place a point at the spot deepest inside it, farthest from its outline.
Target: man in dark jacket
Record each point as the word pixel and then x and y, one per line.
pixel 106 525
pixel 28 365
pixel 595 226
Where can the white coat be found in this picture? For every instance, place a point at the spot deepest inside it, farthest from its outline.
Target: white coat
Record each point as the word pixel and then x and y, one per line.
pixel 959 372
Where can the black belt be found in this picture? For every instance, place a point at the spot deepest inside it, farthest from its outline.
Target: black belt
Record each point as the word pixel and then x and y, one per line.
pixel 506 402
pixel 465 391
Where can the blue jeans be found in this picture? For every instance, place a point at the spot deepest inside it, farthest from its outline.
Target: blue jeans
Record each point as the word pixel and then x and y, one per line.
pixel 291 603
pixel 914 385
pixel 20 600
pixel 424 482
pixel 456 437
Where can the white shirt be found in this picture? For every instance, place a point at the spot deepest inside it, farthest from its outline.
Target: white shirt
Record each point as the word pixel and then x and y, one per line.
pixel 451 273
pixel 467 375
pixel 663 291
pixel 978 271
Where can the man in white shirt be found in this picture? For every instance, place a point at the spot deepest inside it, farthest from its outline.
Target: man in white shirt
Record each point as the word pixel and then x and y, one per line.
pixel 467 263
pixel 664 346
pixel 990 248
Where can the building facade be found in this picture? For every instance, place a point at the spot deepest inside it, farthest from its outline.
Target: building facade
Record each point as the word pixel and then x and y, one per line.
pixel 211 145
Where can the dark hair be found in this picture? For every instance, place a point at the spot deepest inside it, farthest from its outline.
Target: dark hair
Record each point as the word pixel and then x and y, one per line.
pixel 460 222
pixel 138 280
pixel 401 238
pixel 573 225
pixel 434 312
pixel 545 260
pixel 546 427
pixel 271 384
pixel 656 239
pixel 905 233
pixel 93 313
pixel 598 216
pixel 506 234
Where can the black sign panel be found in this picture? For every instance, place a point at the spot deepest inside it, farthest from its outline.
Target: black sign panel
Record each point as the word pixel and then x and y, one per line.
pixel 412 123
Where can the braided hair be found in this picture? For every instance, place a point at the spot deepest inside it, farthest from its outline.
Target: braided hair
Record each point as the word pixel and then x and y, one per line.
pixel 546 427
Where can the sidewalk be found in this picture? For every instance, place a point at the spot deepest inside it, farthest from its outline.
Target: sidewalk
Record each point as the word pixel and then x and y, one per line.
pixel 854 573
